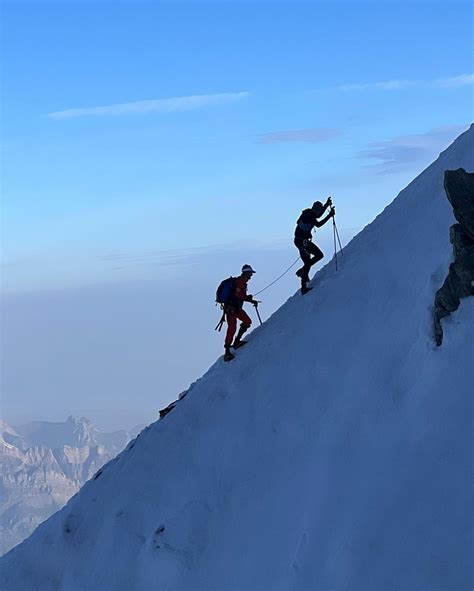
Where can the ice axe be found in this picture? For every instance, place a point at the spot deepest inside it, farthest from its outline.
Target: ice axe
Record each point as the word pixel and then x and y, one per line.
pixel 256 303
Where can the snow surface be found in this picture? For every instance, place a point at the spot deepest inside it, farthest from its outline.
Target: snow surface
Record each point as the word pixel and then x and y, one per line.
pixel 334 453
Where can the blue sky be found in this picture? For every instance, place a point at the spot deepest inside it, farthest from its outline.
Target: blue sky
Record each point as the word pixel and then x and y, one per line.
pixel 254 110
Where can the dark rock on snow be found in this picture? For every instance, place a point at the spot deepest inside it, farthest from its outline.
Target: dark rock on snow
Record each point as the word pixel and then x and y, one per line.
pixel 459 283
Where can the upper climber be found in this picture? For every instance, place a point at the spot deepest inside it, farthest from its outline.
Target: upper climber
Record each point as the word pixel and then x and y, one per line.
pixel 308 219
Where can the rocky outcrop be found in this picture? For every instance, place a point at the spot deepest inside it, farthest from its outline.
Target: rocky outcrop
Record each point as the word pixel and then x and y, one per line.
pixel 459 283
pixel 169 408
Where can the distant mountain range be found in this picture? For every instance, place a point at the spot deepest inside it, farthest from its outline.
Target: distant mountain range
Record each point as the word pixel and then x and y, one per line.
pixel 43 464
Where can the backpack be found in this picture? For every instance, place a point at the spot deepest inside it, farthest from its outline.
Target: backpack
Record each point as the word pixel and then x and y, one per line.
pixel 225 290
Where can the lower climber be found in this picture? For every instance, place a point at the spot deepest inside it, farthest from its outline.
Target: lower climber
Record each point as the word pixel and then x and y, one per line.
pixel 234 311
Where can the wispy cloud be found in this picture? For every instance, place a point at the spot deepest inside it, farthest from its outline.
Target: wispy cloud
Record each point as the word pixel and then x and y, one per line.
pixel 401 152
pixel 385 85
pixel 453 82
pixel 463 80
pixel 168 105
pixel 313 135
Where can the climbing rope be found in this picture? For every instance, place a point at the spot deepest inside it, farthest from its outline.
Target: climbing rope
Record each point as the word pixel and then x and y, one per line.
pixel 278 278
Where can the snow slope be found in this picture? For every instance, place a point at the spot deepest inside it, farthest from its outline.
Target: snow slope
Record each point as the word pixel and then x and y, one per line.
pixel 334 453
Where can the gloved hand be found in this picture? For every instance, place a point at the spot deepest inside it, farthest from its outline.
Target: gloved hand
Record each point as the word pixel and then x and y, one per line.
pixel 332 213
pixel 328 202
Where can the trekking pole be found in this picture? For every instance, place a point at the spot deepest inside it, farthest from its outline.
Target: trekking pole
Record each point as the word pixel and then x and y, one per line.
pixel 337 234
pixel 334 236
pixel 258 313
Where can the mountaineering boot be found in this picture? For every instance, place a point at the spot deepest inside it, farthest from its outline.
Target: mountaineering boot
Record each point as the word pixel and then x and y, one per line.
pixel 299 273
pixel 305 288
pixel 239 343
pixel 238 339
pixel 228 355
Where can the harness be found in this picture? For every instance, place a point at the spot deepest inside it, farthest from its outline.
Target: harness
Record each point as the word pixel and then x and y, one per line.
pixel 304 227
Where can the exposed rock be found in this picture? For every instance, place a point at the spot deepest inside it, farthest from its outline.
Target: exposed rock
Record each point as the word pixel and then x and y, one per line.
pixel 459 186
pixel 169 408
pixel 459 283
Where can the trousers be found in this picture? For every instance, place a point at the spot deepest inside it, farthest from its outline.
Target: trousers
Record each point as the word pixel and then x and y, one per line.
pixel 307 248
pixel 232 315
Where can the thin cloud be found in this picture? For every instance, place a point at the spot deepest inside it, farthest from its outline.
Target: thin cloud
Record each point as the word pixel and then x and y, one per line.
pixel 453 82
pixel 463 80
pixel 313 135
pixel 153 257
pixel 385 85
pixel 169 105
pixel 402 152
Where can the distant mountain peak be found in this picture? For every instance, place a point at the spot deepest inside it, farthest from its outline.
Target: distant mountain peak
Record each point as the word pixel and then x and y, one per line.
pixel 42 470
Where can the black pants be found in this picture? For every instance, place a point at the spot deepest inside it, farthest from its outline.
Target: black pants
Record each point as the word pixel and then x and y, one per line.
pixel 308 248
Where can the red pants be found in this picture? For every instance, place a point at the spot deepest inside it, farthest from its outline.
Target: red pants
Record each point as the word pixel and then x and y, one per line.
pixel 231 317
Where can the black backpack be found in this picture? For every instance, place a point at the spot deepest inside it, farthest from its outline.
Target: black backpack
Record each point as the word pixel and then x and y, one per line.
pixel 225 290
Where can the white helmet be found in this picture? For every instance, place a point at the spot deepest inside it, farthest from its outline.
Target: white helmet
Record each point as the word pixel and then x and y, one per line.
pixel 247 269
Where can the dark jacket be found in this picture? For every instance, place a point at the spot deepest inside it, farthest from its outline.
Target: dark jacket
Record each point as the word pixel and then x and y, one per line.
pixel 305 224
pixel 308 220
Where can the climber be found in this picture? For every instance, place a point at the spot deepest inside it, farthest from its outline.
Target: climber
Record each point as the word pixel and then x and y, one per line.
pixel 303 238
pixel 234 310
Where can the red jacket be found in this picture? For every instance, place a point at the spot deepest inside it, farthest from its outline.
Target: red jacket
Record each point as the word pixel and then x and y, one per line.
pixel 240 293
